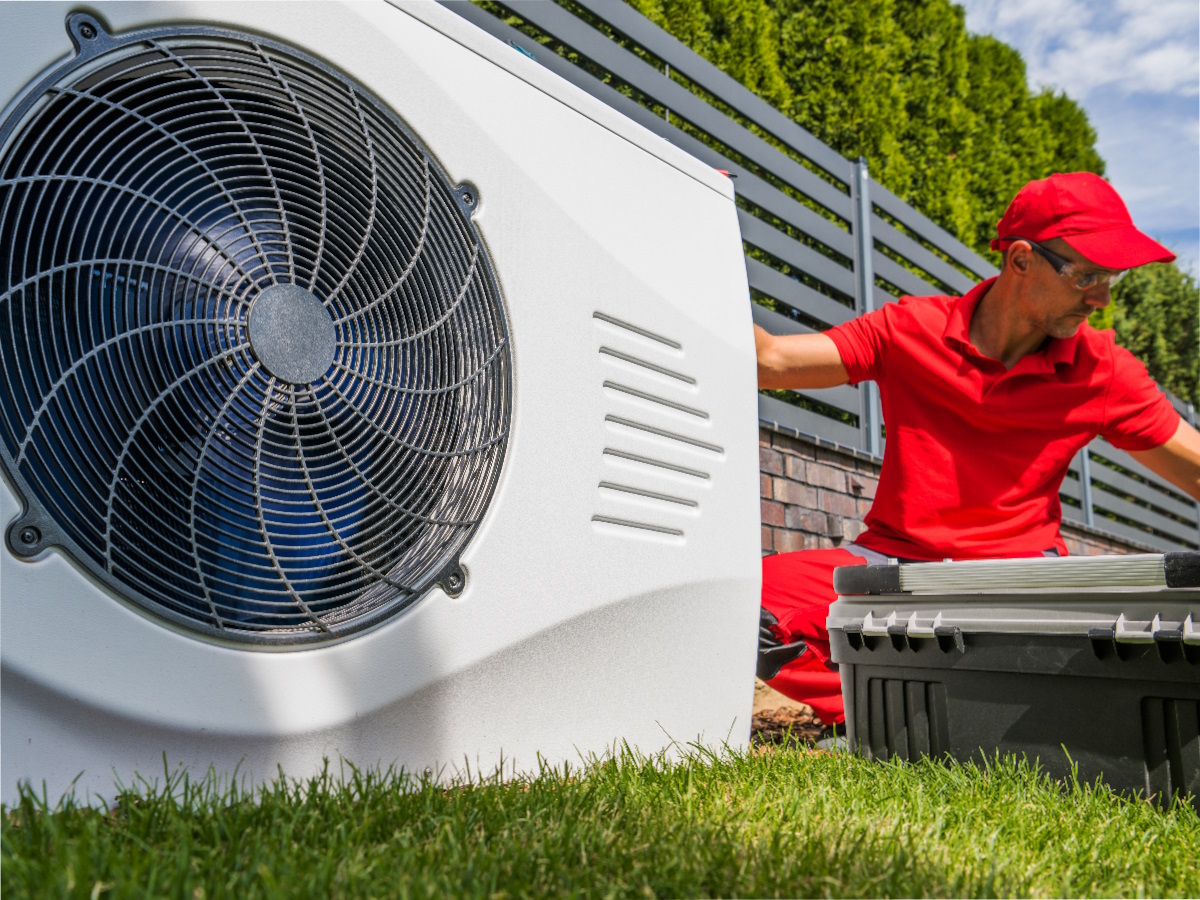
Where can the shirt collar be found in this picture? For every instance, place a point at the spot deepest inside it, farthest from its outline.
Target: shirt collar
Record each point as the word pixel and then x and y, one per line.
pixel 1057 352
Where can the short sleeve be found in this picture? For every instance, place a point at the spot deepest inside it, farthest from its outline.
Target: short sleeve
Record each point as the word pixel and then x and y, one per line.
pixel 1137 414
pixel 863 343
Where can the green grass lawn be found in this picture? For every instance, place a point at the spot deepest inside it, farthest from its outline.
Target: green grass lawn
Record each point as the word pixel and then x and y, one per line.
pixel 779 823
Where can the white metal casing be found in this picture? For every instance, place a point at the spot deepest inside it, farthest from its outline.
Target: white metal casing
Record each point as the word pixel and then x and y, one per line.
pixel 572 633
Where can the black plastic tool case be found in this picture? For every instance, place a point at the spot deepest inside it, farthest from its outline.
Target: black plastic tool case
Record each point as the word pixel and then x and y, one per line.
pixel 1091 660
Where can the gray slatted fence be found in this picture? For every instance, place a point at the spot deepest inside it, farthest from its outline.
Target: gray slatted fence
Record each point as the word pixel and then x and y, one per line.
pixel 823 243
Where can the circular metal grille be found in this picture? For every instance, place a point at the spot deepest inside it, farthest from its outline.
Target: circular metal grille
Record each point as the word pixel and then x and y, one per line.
pixel 280 479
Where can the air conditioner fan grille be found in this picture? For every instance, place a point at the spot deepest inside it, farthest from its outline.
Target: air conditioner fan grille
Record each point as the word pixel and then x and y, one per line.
pixel 255 367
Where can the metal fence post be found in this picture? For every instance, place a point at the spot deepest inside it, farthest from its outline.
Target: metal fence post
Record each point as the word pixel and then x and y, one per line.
pixel 1085 481
pixel 864 289
pixel 667 109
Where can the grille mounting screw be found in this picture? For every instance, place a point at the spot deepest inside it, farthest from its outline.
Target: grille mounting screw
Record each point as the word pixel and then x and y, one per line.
pixel 454 581
pixel 87 31
pixel 30 536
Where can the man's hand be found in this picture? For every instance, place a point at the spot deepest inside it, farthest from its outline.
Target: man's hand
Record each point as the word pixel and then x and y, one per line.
pixel 798 361
pixel 1178 460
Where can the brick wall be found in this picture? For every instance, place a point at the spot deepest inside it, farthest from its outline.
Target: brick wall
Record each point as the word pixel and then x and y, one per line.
pixel 815 494
pixel 1082 541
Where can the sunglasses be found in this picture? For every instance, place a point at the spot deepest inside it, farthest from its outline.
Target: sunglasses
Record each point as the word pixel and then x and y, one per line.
pixel 1080 278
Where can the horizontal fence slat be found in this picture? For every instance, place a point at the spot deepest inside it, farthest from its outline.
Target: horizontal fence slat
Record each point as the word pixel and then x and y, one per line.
pixel 679 56
pixel 881 297
pixel 775 411
pixel 1103 448
pixel 765 195
pixel 556 21
pixel 795 294
pixel 1185 409
pixel 893 273
pixel 1104 500
pixel 843 397
pixel 930 231
pixel 886 234
pixel 1073 514
pixel 792 252
pixel 775 323
pixel 1123 484
pixel 1071 488
pixel 1128 532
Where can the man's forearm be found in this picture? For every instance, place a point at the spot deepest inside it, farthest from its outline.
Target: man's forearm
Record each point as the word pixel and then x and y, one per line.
pixel 798 361
pixel 1178 460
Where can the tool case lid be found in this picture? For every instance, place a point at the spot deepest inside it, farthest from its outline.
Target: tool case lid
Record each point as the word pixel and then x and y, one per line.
pixel 1139 598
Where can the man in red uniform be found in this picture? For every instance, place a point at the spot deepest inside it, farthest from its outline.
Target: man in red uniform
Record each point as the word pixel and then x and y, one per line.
pixel 986 399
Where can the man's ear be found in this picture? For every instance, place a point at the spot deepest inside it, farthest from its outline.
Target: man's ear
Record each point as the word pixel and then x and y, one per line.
pixel 1019 257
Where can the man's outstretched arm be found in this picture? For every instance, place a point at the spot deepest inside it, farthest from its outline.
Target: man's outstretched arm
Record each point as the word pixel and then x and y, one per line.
pixel 1178 460
pixel 798 361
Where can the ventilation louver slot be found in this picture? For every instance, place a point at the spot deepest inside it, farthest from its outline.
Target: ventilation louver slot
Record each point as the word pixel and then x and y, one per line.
pixel 663 399
pixel 255 368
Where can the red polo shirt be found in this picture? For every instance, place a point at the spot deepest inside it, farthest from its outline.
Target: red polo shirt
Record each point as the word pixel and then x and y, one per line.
pixel 976 453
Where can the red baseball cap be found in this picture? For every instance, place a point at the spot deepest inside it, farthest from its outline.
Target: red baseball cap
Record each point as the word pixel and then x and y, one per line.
pixel 1085 211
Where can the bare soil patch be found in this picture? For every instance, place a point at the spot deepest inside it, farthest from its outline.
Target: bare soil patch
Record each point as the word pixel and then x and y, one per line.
pixel 779 721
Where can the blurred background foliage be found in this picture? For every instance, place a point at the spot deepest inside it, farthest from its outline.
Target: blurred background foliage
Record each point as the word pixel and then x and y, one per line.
pixel 946 120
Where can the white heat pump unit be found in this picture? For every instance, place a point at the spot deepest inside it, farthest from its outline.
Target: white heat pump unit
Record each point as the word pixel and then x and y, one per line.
pixel 367 391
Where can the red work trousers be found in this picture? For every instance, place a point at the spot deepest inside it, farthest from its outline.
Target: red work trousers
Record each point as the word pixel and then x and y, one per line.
pixel 797 590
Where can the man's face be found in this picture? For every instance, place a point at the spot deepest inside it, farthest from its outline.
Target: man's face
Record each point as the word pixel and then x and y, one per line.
pixel 1059 308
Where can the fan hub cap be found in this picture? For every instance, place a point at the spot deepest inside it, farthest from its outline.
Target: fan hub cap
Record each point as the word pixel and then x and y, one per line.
pixel 292 333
